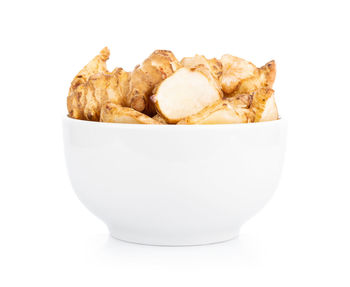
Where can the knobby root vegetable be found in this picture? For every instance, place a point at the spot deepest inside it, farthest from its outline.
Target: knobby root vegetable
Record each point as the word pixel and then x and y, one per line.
pixel 234 70
pixel 112 113
pixel 160 119
pixel 76 100
pixel 93 86
pixel 214 65
pixel 163 90
pixel 186 92
pixel 145 77
pixel 263 105
pixel 242 77
pixel 264 78
pixel 102 88
pixel 221 112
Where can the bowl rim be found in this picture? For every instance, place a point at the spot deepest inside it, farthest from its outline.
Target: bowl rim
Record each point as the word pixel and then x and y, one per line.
pixel 69 120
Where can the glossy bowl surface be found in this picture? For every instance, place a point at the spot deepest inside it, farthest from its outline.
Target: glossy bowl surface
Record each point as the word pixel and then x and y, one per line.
pixel 174 184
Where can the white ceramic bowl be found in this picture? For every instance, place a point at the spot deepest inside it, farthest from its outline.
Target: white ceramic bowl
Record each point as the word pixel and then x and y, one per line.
pixel 174 185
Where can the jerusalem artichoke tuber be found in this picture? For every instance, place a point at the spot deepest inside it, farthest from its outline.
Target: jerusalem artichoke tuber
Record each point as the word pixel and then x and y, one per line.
pixel 157 67
pixel 221 112
pixel 185 93
pixel 213 64
pixel 93 86
pixel 113 113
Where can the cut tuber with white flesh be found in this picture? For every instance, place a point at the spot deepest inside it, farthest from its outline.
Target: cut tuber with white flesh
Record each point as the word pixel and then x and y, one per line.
pixel 221 112
pixel 163 90
pixel 112 113
pixel 186 92
pixel 245 108
pixel 145 77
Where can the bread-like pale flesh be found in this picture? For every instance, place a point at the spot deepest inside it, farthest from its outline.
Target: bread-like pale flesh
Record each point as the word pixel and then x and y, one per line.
pixel 112 113
pixel 221 112
pixel 185 93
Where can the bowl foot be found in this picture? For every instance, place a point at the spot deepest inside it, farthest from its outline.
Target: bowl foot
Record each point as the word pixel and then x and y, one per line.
pixel 172 241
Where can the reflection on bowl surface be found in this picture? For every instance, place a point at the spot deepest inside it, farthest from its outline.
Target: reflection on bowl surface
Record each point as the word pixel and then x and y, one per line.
pixel 174 185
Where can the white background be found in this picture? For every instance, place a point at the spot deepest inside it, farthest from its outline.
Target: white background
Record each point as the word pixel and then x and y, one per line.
pixel 301 238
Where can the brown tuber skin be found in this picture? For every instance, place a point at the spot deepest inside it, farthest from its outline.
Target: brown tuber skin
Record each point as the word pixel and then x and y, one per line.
pixel 221 112
pixel 260 99
pixel 214 65
pixel 93 86
pixel 76 100
pixel 102 88
pixel 160 119
pixel 234 71
pixel 164 91
pixel 264 78
pixel 157 67
pixel 113 113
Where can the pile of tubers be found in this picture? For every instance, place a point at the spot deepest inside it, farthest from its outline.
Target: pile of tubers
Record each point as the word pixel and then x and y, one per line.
pixel 163 90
